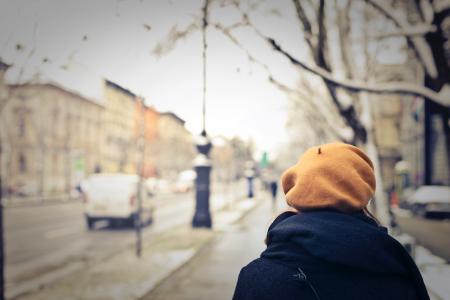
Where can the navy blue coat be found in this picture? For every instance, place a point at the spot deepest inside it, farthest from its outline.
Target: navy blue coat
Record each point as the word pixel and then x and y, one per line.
pixel 330 255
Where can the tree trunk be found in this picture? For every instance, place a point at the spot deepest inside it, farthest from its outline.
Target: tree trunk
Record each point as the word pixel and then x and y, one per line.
pixel 381 204
pixel 2 242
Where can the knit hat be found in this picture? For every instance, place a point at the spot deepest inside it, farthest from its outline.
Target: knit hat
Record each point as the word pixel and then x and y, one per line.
pixel 336 175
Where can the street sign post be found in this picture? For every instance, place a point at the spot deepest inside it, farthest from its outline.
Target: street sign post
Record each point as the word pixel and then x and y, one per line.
pixel 140 169
pixel 2 248
pixel 264 162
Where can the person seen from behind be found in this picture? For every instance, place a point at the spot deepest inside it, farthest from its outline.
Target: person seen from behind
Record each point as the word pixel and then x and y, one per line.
pixel 330 246
pixel 274 189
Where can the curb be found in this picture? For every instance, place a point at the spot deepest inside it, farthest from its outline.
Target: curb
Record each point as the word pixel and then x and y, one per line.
pixel 34 203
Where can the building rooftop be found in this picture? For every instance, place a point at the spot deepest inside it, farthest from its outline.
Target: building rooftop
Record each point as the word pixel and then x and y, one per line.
pixel 119 87
pixel 75 78
pixel 3 66
pixel 174 116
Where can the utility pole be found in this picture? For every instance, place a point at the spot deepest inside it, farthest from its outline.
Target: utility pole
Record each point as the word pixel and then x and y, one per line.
pixel 3 102
pixel 2 245
pixel 140 169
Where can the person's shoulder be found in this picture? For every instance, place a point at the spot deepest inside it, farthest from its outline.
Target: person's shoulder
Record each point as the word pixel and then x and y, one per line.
pixel 282 217
pixel 265 279
pixel 259 271
pixel 255 267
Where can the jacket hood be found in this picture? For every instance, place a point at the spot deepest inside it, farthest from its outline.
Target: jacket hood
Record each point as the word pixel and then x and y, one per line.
pixel 347 240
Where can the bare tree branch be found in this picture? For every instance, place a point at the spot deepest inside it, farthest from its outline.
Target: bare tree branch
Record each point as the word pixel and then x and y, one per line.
pixel 354 85
pixel 441 6
pixel 282 87
pixel 420 30
pixel 307 28
pixel 318 51
pixel 343 24
pixel 229 35
pixel 173 36
pixel 321 47
pixel 417 43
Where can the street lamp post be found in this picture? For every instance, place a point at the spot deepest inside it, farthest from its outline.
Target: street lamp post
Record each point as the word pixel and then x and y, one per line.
pixel 202 162
pixel 250 175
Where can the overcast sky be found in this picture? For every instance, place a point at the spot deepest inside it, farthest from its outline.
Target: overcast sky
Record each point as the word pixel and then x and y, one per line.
pixel 112 39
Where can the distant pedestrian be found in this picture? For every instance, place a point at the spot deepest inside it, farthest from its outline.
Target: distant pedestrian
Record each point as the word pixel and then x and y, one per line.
pixel 330 246
pixel 274 189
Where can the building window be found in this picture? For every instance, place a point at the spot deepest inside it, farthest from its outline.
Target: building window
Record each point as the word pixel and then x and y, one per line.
pixel 55 164
pixel 21 125
pixel 22 163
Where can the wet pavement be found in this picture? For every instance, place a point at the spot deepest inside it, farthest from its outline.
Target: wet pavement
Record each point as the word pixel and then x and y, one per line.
pixel 45 243
pixel 213 272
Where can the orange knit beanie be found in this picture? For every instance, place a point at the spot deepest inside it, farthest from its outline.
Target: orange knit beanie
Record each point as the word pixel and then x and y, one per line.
pixel 336 175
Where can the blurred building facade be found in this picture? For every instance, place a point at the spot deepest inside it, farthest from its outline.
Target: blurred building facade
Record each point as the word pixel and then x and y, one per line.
pixel 401 133
pixel 429 121
pixel 175 149
pixel 223 165
pixel 386 113
pixel 118 133
pixel 146 121
pixel 51 140
pixel 229 158
pixel 53 136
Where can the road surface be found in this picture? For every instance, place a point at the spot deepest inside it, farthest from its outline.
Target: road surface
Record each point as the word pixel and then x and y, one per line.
pixel 46 240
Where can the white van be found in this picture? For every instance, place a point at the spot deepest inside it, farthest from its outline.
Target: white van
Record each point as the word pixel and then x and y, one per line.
pixel 113 197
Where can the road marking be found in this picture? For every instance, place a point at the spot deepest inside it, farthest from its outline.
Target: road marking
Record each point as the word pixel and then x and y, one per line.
pixel 60 232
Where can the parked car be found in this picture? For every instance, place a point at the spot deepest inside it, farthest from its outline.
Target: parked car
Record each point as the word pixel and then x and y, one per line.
pixel 431 201
pixel 185 181
pixel 113 197
pixel 158 186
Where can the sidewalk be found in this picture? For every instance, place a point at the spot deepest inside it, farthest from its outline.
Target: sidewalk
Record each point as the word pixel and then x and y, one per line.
pixel 213 272
pixel 183 263
pixel 435 272
pixel 124 276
